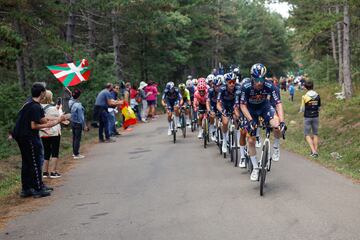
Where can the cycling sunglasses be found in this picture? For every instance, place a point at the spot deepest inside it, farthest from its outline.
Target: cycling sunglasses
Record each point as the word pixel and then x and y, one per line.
pixel 259 80
pixel 232 81
pixel 201 91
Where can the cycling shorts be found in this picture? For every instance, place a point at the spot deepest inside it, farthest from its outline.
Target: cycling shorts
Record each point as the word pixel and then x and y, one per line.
pixel 266 111
pixel 171 103
pixel 202 108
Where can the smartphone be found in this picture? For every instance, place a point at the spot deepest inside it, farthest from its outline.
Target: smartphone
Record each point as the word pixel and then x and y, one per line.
pixel 59 101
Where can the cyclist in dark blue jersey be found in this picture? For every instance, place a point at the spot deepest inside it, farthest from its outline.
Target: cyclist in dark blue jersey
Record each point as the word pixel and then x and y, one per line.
pixel 254 102
pixel 172 101
pixel 227 105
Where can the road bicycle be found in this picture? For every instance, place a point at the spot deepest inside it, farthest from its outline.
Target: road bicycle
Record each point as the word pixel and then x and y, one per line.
pixel 183 120
pixel 220 136
pixel 193 118
pixel 266 159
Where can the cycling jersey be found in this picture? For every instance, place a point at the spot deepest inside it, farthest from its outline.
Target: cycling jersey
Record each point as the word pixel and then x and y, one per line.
pixel 257 98
pixel 273 102
pixel 212 96
pixel 229 99
pixel 172 98
pixel 185 95
pixel 191 91
pixel 200 101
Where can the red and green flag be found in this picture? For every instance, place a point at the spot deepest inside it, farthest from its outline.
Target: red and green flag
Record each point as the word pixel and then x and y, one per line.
pixel 71 74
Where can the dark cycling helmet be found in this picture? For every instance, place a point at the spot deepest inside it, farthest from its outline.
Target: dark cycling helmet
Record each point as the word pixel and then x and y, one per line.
pixel 229 76
pixel 258 70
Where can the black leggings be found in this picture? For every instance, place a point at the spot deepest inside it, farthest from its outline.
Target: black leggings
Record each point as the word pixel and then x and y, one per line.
pixel 51 147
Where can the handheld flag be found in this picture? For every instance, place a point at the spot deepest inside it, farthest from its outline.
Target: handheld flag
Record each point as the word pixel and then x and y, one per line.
pixel 71 74
pixel 130 117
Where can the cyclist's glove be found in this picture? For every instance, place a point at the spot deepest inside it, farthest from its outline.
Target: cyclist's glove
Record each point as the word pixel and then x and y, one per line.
pixel 253 124
pixel 283 127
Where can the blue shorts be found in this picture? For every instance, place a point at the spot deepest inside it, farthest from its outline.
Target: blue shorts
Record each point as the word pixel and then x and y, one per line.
pixel 171 103
pixel 151 102
pixel 228 107
pixel 266 111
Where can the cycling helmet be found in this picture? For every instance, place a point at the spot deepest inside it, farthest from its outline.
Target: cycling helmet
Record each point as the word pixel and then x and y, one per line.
pixel 229 77
pixel 218 80
pixel 189 77
pixel 258 70
pixel 202 86
pixel 170 85
pixel 182 87
pixel 237 71
pixel 201 80
pixel 210 78
pixel 189 83
pixel 195 81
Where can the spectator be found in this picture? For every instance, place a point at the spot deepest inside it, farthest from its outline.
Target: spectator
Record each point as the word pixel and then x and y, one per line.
pixel 291 91
pixel 113 111
pixel 143 96
pixel 127 92
pixel 30 120
pixel 152 92
pixel 310 105
pixel 135 100
pixel 102 103
pixel 78 122
pixel 50 137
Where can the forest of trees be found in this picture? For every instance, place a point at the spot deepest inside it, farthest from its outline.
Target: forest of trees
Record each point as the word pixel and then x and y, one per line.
pixel 162 40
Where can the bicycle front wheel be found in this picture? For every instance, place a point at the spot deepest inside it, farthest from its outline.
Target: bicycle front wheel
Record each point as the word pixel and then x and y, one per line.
pixel 263 166
pixel 183 125
pixel 174 131
pixel 205 132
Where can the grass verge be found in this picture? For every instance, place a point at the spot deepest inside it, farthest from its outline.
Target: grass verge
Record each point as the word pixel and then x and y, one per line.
pixel 339 129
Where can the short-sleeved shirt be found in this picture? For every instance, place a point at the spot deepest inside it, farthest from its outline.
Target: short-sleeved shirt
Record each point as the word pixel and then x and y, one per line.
pixel 185 95
pixel 30 112
pixel 172 96
pixel 102 98
pixel 257 98
pixel 212 94
pixel 229 98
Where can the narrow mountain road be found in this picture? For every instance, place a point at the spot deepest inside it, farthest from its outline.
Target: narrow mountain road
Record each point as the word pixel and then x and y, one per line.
pixel 145 187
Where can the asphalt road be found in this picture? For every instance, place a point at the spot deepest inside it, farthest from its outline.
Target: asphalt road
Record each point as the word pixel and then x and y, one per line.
pixel 145 187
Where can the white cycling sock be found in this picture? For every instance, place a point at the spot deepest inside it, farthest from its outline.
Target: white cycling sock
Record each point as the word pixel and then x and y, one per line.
pixel 238 137
pixel 226 136
pixel 276 142
pixel 178 119
pixel 169 125
pixel 212 128
pixel 254 162
pixel 242 151
pixel 258 132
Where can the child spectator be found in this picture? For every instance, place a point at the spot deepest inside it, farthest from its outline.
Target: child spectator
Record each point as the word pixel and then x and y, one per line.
pixel 291 91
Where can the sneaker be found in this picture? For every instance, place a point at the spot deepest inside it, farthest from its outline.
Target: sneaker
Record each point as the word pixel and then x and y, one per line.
pixel 178 125
pixel 55 175
pixel 41 193
pixel 224 146
pixel 254 175
pixel 45 174
pixel 188 122
pixel 315 155
pixel 169 132
pixel 78 156
pixel 242 163
pixel 47 188
pixel 27 193
pixel 110 140
pixel 200 135
pixel 213 137
pixel 276 155
pixel 258 142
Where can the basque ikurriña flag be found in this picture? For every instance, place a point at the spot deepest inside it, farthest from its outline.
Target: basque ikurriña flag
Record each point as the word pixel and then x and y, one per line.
pixel 71 74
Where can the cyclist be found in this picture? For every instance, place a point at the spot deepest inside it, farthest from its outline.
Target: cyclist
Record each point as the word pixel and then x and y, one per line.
pixel 210 80
pixel 191 88
pixel 211 104
pixel 226 105
pixel 254 103
pixel 237 72
pixel 200 98
pixel 185 94
pixel 171 100
pixel 195 82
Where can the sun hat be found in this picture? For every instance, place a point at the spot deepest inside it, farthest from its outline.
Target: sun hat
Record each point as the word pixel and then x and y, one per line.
pixel 142 85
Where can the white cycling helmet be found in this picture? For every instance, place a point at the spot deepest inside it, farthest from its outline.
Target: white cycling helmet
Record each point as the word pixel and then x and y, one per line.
pixel 210 78
pixel 195 81
pixel 189 83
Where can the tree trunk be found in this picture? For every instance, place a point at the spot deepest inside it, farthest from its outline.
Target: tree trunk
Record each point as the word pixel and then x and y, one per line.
pixel 346 52
pixel 70 25
pixel 340 54
pixel 91 35
pixel 333 43
pixel 116 45
pixel 20 66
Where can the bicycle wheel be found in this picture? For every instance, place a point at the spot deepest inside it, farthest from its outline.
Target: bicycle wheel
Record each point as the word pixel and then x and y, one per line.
pixel 220 139
pixel 263 168
pixel 183 125
pixel 205 132
pixel 236 149
pixel 231 147
pixel 174 130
